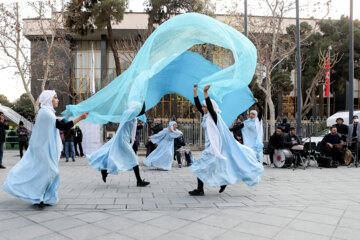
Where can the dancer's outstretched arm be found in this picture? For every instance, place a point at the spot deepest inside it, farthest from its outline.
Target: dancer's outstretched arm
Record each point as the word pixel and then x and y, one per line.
pixel 196 100
pixel 64 126
pixel 209 104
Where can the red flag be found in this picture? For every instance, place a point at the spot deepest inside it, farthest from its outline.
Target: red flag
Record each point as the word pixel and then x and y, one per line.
pixel 327 78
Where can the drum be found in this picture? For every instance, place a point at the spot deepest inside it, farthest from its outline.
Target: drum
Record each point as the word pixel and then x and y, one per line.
pixel 348 157
pixel 283 158
pixel 298 147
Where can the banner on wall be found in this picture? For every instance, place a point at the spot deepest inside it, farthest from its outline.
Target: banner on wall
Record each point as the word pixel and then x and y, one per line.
pixel 92 136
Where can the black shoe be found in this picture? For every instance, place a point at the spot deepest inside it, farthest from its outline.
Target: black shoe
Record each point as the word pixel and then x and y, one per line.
pixel 73 159
pixel 66 160
pixel 196 192
pixel 222 188
pixel 142 183
pixel 2 166
pixel 104 175
pixel 40 206
pixel 265 164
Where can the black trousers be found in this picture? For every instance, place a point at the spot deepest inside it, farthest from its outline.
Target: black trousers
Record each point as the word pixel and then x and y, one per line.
pixel 187 157
pixel 335 153
pixel 80 148
pixel 22 145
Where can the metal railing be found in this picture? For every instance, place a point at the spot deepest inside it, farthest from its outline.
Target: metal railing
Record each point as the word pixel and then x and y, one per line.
pixel 192 130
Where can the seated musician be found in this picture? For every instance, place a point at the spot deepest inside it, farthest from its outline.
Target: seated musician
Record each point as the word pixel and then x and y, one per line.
pixel 332 145
pixel 342 129
pixel 276 142
pixel 291 140
pixel 354 134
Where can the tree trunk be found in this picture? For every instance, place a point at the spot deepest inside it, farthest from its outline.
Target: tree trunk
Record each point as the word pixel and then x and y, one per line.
pixel 271 112
pixel 113 48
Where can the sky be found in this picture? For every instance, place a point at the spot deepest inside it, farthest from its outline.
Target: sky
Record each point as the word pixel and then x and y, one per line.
pixel 11 85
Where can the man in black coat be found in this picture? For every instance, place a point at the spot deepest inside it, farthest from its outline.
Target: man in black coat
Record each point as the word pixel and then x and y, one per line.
pixel 285 126
pixel 332 146
pixel 158 127
pixel 276 142
pixel 291 139
pixel 342 129
pixel 236 129
pixel 78 141
pixel 4 125
pixel 69 144
pixel 23 136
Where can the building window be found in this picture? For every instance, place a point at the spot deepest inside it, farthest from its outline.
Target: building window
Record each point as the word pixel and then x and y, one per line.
pixel 87 62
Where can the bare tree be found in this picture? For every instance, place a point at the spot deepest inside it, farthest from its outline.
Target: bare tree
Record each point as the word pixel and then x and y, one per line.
pixel 48 42
pixel 274 45
pixel 310 99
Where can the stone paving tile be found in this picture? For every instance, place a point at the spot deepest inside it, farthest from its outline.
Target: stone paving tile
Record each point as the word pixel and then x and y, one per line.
pixel 320 218
pixel 286 204
pixel 234 235
pixel 221 220
pixel 14 223
pixel 115 223
pixel 63 223
pixel 168 222
pixel 84 232
pixel 288 234
pixel 28 232
pixel 44 216
pixel 347 233
pixel 143 232
pixel 92 216
pixel 312 227
pixel 113 236
pixel 52 236
pixel 258 229
pixel 201 231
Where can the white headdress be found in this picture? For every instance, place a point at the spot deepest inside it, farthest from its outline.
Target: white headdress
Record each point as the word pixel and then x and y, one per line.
pixel 257 122
pixel 46 98
pixel 213 131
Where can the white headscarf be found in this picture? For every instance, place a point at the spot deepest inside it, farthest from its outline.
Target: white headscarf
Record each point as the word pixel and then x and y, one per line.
pixel 171 124
pixel 46 98
pixel 213 131
pixel 257 122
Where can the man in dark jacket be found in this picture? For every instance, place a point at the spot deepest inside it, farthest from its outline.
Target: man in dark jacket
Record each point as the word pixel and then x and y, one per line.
pixel 178 143
pixel 158 127
pixel 23 136
pixel 291 139
pixel 4 125
pixel 78 141
pixel 69 144
pixel 342 129
pixel 276 142
pixel 285 126
pixel 236 129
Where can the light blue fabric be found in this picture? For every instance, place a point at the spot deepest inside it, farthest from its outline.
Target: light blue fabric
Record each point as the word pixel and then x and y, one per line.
pixel 163 66
pixel 35 178
pixel 252 138
pixel 240 163
pixel 116 155
pixel 163 156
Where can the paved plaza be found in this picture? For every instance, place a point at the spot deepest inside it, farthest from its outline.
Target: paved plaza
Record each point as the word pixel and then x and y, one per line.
pixel 286 204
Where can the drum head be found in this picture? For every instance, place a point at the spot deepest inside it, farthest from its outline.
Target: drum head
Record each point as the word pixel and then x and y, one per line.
pixel 283 158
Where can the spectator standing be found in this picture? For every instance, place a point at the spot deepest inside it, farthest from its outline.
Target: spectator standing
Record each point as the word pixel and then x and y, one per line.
pixel 23 136
pixel 78 141
pixel 285 126
pixel 236 129
pixel 69 144
pixel 4 125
